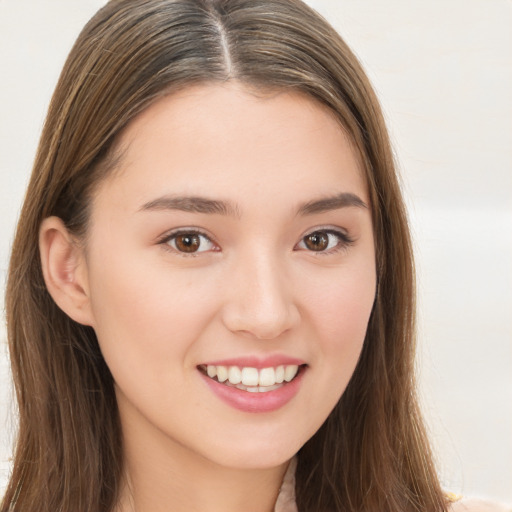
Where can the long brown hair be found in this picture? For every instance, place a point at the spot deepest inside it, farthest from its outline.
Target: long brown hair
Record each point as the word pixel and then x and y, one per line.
pixel 372 452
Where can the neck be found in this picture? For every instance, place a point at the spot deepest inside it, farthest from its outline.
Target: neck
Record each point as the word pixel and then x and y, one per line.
pixel 163 475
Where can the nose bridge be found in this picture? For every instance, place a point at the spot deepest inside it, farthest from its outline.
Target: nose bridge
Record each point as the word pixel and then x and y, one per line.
pixel 261 301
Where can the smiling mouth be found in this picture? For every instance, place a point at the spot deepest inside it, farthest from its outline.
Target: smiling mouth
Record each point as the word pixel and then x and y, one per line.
pixel 253 380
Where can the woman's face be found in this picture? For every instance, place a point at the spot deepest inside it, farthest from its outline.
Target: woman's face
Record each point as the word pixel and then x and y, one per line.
pixel 233 242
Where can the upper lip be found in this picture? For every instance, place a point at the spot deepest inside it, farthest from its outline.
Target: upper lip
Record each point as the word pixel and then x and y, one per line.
pixel 258 362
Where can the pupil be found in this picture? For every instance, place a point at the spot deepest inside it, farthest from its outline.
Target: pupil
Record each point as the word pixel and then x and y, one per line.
pixel 187 243
pixel 317 241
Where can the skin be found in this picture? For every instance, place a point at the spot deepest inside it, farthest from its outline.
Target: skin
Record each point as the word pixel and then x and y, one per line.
pixel 255 288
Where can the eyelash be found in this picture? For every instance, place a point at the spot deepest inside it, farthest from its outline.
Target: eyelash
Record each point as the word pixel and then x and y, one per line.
pixel 168 238
pixel 344 241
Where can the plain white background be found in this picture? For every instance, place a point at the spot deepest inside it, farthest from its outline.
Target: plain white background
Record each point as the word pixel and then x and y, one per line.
pixel 443 71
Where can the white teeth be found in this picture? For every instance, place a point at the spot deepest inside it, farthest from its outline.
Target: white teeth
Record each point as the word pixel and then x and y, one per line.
pixel 267 377
pixel 254 389
pixel 222 373
pixel 234 375
pixel 251 379
pixel 290 372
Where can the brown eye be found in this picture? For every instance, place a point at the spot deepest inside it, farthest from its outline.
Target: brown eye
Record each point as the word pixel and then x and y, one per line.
pixel 190 242
pixel 325 241
pixel 187 243
pixel 318 241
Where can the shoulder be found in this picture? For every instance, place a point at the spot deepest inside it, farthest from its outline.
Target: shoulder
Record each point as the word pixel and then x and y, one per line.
pixel 478 505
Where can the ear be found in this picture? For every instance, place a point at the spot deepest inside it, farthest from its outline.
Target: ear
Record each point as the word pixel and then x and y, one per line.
pixel 65 270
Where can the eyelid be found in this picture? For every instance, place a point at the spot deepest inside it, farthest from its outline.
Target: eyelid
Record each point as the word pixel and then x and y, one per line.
pixel 169 235
pixel 345 239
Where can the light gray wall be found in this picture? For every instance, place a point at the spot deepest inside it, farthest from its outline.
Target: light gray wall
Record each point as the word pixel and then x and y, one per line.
pixel 443 71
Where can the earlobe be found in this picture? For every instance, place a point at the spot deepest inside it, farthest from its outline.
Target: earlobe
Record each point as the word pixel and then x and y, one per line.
pixel 64 270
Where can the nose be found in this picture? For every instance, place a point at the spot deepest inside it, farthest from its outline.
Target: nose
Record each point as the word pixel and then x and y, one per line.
pixel 260 299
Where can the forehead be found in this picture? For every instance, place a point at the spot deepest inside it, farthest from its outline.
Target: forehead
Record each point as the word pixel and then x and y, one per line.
pixel 226 140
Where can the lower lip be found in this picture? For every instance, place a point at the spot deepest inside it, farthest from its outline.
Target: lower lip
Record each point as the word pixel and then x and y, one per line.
pixel 256 402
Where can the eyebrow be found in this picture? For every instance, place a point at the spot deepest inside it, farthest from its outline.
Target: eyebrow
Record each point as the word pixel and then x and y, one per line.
pixel 193 204
pixel 197 204
pixel 342 200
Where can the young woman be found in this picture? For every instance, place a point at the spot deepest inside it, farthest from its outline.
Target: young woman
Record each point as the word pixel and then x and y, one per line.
pixel 210 301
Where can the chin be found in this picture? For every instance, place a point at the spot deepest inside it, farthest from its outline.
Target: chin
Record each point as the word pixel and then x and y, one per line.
pixel 257 455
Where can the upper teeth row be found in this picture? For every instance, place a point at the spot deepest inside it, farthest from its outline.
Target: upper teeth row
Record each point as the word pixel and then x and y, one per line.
pixel 252 376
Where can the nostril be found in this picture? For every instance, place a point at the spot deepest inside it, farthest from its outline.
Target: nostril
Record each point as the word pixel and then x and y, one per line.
pixel 260 324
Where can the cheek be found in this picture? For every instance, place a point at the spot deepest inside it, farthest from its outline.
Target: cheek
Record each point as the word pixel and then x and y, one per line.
pixel 340 315
pixel 342 305
pixel 143 313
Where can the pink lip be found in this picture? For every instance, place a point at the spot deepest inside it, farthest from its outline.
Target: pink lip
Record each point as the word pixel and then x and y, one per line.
pixel 255 402
pixel 257 362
